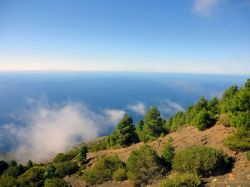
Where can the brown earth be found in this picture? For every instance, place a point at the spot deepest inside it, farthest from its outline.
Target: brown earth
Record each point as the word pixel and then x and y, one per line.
pixel 182 139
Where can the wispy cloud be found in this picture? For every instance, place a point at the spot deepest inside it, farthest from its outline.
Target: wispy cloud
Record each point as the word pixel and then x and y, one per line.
pixel 168 108
pixel 205 7
pixel 138 108
pixel 114 115
pixel 50 129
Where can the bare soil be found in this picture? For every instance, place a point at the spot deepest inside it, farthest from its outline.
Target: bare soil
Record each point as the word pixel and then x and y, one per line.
pixel 184 138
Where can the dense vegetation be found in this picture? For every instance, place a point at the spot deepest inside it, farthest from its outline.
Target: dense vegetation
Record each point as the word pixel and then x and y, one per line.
pixel 105 169
pixel 200 160
pixel 144 165
pixel 124 134
pixel 181 180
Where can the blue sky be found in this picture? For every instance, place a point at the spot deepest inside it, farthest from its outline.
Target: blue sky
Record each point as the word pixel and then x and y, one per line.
pixel 193 36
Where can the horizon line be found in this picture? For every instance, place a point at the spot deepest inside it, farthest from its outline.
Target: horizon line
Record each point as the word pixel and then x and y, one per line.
pixel 122 71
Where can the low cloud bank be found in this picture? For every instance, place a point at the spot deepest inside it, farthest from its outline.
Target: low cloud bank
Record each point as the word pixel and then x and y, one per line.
pixel 169 108
pixel 48 130
pixel 138 108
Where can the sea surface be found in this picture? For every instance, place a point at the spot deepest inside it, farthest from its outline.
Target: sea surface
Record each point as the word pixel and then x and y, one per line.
pixel 109 90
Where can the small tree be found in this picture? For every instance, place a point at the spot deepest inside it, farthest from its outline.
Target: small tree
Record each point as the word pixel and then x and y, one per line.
pixel 29 164
pixel 32 177
pixel 203 120
pixel 168 152
pixel 144 166
pixel 55 182
pixel 14 169
pixel 105 169
pixel 201 160
pixel 7 181
pixel 124 134
pixel 153 125
pixel 66 168
pixel 82 154
pixel 3 166
pixel 50 172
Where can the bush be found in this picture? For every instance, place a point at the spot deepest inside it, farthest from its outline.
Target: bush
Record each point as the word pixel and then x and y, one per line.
pixel 7 181
pixel 240 141
pixel 29 164
pixel 201 160
pixel 55 182
pixel 181 180
pixel 50 172
pixel 32 177
pixel 61 157
pixel 144 166
pixel 82 154
pixel 14 169
pixel 240 120
pixel 248 155
pixel 119 174
pixel 98 145
pixel 103 170
pixel 66 168
pixel 178 121
pixel 168 153
pixel 3 166
pixel 203 120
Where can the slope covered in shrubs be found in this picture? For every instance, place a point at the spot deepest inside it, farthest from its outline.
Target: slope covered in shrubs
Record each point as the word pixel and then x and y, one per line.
pixel 151 159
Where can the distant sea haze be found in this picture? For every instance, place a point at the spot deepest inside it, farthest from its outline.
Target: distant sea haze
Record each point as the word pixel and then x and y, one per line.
pixel 48 112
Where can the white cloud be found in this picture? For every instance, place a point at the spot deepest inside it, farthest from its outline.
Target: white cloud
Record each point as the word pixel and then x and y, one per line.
pixel 169 108
pixel 138 108
pixel 205 7
pixel 114 115
pixel 52 129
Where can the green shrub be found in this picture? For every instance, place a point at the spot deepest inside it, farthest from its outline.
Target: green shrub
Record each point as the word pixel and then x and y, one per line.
pixel 3 166
pixel 248 155
pixel 29 164
pixel 50 172
pixel 124 134
pixel 240 119
pixel 82 154
pixel 103 170
pixel 98 145
pixel 168 153
pixel 203 120
pixel 224 120
pixel 181 180
pixel 7 181
pixel 240 141
pixel 32 177
pixel 61 157
pixel 119 174
pixel 153 125
pixel 178 121
pixel 199 159
pixel 66 168
pixel 144 166
pixel 55 182
pixel 14 170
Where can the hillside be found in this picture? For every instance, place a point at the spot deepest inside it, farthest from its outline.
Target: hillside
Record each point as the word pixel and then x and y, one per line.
pixel 184 138
pixel 206 145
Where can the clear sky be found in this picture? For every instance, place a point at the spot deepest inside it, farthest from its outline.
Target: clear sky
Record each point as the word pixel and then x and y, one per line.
pixel 194 36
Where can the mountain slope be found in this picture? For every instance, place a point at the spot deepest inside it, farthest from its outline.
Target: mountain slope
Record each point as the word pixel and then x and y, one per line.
pixel 184 138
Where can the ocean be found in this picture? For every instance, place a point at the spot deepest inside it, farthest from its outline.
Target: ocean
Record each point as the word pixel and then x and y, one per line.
pixel 99 91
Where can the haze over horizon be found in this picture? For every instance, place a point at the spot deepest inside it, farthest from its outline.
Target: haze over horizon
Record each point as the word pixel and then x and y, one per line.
pixel 193 36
